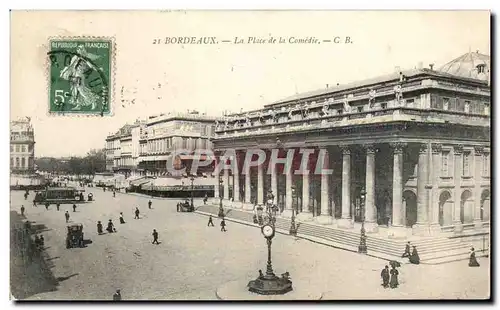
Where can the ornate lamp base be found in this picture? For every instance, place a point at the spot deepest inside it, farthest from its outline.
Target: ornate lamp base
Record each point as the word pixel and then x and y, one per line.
pixel 270 285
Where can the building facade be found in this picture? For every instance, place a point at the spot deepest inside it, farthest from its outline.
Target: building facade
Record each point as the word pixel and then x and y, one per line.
pixel 22 147
pixel 414 145
pixel 144 147
pixel 165 135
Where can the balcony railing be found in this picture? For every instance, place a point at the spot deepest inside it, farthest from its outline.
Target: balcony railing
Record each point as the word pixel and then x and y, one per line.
pixel 357 118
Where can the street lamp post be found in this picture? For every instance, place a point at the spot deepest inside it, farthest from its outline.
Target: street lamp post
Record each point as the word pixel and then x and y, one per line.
pixel 269 283
pixel 221 208
pixel 362 242
pixel 192 192
pixel 293 226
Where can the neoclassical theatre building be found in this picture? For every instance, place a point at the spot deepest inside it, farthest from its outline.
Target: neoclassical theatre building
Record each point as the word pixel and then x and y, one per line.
pixel 415 142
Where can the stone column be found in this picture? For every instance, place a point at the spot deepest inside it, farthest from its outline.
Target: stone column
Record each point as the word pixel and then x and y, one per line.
pixel 398 222
pixel 306 214
pixel 236 182
pixel 436 177
pixel 248 192
pixel 274 183
pixel 421 227
pixel 217 184
pixel 260 185
pixel 370 208
pixel 345 220
pixel 226 184
pixel 457 178
pixel 478 161
pixel 288 195
pixel 325 218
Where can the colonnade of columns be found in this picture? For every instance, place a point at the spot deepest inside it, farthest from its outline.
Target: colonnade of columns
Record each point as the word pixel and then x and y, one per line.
pixel 427 177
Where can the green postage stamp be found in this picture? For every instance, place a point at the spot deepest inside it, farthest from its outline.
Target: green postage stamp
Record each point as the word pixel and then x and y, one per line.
pixel 81 75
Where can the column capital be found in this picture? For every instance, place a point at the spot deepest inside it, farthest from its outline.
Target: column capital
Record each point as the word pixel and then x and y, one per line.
pixel 479 150
pixel 370 148
pixel 398 147
pixel 423 147
pixel 458 149
pixel 345 148
pixel 437 148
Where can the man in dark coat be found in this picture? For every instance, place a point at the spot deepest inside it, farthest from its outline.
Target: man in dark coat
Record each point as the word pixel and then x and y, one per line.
pixel 111 227
pixel 223 225
pixel 394 278
pixel 117 296
pixel 22 210
pixel 47 205
pixel 74 208
pixel 122 221
pixel 57 206
pixel 66 215
pixel 407 250
pixel 149 204
pixel 136 213
pixel 210 221
pixel 155 237
pixel 472 259
pixel 414 258
pixel 385 276
pixel 99 227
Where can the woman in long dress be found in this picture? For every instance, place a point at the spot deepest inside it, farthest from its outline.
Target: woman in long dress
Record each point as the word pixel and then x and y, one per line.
pixel 414 258
pixel 394 278
pixel 472 259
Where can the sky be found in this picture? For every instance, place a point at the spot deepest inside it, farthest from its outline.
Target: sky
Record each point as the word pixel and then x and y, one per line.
pixel 212 78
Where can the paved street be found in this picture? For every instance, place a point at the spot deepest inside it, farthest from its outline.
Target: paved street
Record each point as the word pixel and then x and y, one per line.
pixel 192 259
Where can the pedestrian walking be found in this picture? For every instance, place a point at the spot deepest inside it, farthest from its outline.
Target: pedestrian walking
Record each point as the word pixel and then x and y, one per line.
pixel 155 237
pixel 150 203
pixel 210 221
pixel 223 225
pixel 394 277
pixel 66 215
pixel 136 213
pixel 22 210
pixel 114 194
pixel 57 206
pixel 74 207
pixel 407 250
pixel 117 296
pixel 414 258
pixel 472 259
pixel 111 227
pixel 99 227
pixel 385 276
pixel 47 205
pixel 34 202
pixel 122 221
pixel 205 199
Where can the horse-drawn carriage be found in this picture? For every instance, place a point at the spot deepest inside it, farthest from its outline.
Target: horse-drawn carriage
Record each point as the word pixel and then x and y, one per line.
pixel 74 237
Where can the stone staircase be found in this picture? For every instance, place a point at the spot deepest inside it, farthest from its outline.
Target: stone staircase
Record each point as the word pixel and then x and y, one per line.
pixel 432 250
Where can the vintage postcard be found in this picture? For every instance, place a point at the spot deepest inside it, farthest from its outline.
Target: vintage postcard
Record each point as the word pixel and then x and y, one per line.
pixel 250 155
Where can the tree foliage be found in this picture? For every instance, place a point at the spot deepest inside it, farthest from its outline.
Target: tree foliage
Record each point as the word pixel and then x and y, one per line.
pixel 94 161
